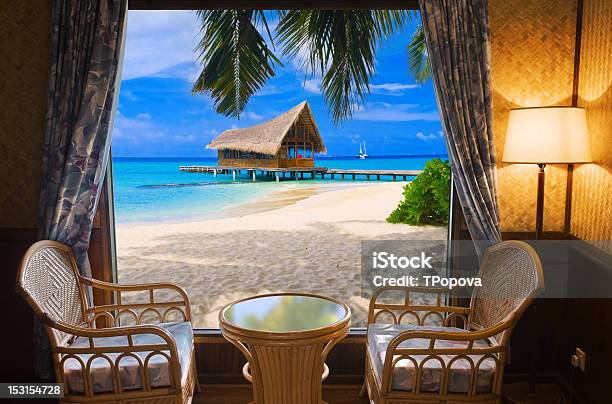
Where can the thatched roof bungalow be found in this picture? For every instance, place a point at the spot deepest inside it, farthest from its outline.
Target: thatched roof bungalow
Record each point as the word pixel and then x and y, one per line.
pixel 287 140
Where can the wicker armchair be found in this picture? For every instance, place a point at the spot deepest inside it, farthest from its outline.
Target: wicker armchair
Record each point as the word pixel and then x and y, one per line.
pixel 108 353
pixel 450 354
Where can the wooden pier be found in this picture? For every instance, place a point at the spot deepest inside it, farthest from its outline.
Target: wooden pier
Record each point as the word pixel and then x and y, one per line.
pixel 300 173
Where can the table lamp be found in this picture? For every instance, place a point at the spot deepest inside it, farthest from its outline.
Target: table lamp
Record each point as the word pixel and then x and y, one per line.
pixel 546 135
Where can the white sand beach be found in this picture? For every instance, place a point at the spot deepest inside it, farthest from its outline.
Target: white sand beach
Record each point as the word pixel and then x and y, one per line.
pixel 305 239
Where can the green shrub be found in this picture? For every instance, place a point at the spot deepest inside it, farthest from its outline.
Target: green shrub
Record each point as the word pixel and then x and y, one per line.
pixel 427 197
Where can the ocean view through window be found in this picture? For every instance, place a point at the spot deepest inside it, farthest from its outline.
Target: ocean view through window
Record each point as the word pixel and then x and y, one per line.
pixel 277 199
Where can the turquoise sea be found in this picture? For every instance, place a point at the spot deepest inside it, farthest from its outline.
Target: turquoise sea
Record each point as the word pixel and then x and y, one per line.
pixel 153 189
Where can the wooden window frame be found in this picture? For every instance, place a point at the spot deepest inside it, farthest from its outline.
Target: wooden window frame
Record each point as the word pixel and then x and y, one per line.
pixel 272 4
pixel 108 269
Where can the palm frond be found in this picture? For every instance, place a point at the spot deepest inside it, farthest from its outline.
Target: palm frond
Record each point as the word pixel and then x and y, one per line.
pixel 236 61
pixel 418 58
pixel 340 45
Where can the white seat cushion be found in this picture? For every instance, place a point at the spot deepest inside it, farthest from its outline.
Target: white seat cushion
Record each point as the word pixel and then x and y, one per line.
pixel 158 367
pixel 379 336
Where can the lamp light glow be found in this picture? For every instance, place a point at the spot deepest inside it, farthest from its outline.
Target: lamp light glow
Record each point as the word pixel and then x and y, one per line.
pixel 547 135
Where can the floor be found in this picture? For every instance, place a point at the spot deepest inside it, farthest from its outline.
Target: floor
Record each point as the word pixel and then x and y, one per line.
pixel 241 394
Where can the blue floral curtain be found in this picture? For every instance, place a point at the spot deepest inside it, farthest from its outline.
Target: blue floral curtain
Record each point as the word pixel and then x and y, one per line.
pixel 458 45
pixel 86 56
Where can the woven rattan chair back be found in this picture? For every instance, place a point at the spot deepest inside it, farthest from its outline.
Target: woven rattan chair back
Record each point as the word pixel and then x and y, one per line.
pixel 49 282
pixel 512 276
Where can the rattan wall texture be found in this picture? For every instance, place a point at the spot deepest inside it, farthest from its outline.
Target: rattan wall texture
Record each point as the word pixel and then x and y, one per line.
pixel 25 34
pixel 592 197
pixel 532 62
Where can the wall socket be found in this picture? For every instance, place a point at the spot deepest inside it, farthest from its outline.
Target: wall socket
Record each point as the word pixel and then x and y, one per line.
pixel 579 359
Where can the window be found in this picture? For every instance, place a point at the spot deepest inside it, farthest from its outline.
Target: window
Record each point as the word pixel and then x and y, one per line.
pixel 224 236
pixel 308 151
pixel 291 150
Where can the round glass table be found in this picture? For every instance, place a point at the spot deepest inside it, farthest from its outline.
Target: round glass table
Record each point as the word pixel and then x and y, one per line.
pixel 285 338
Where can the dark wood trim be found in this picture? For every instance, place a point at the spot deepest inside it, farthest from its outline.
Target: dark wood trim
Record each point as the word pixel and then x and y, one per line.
pixel 242 393
pixel 19 341
pixel 102 257
pixel 220 362
pixel 271 4
pixel 530 235
pixel 577 49
pixel 15 234
pixel 569 184
pixel 540 202
pixel 575 90
pixel 213 335
pixel 30 234
pixel 106 270
pixel 107 227
pixel 238 379
pixel 455 220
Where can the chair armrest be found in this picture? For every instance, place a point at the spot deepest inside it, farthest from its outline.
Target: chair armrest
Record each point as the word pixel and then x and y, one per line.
pixel 125 331
pixel 395 353
pixel 182 304
pixel 167 349
pixel 468 336
pixel 443 311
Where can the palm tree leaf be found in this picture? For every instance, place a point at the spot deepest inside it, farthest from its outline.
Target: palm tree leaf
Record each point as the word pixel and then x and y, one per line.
pixel 341 46
pixel 417 56
pixel 236 61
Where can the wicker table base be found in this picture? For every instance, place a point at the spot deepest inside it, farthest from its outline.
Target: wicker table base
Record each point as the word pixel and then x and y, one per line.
pixel 286 366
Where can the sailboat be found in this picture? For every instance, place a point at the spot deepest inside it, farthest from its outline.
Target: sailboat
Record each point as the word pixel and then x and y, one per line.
pixel 363 153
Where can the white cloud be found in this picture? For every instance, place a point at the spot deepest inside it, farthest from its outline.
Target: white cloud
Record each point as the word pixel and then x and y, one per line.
pixel 392 88
pixel 385 112
pixel 187 138
pixel 157 41
pixel 268 89
pixel 301 61
pixel 426 138
pixel 272 21
pixel 129 95
pixel 144 116
pixel 135 129
pixel 253 115
pixel 313 85
pixel 355 138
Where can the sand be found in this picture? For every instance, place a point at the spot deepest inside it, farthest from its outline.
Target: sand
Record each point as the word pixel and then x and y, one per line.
pixel 306 239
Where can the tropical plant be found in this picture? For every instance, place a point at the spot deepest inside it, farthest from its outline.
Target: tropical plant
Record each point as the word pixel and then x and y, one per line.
pixel 427 197
pixel 339 45
pixel 418 58
pixel 235 57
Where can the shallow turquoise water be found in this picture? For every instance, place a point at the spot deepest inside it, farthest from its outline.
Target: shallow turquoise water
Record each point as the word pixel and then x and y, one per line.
pixel 153 189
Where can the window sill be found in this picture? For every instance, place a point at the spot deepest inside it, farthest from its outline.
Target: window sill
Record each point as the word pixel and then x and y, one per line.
pixel 214 336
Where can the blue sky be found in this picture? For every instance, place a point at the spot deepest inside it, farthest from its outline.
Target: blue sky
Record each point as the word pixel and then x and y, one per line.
pixel 159 117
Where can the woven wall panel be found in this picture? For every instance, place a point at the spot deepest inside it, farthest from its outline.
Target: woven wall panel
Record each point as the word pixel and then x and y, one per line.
pixel 592 196
pixel 532 62
pixel 25 33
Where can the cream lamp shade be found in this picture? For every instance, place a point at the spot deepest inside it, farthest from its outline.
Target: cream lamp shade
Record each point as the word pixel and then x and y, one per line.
pixel 547 135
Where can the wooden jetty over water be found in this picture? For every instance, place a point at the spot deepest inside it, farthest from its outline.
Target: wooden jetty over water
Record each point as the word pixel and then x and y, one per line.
pixel 297 173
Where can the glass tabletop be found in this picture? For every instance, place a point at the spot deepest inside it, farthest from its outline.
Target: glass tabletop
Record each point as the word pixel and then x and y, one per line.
pixel 284 313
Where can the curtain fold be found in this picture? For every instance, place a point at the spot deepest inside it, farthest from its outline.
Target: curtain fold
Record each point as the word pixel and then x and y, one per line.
pixel 458 45
pixel 86 54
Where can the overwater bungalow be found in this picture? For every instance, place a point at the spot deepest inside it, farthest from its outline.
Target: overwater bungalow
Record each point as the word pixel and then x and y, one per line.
pixel 289 140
